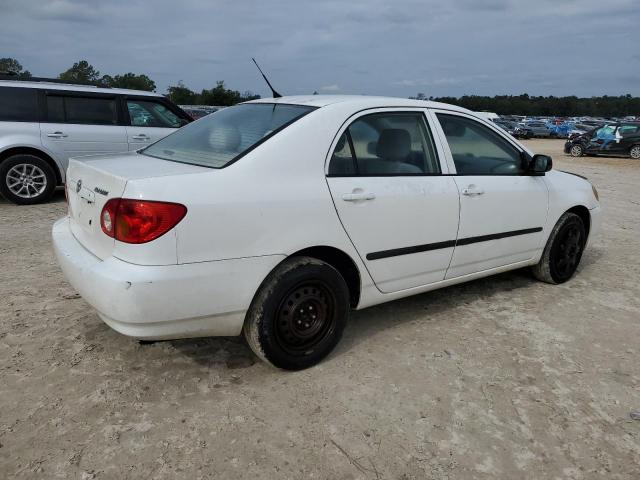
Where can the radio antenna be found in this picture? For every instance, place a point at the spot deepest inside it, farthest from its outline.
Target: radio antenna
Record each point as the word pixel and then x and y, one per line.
pixel 273 92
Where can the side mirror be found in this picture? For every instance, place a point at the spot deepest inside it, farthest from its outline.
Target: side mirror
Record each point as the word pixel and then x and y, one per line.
pixel 540 164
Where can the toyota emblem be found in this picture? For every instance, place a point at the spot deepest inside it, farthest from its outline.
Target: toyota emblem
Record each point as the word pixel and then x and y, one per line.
pixel 78 186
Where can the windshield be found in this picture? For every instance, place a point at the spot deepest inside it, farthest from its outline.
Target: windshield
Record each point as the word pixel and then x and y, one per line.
pixel 224 136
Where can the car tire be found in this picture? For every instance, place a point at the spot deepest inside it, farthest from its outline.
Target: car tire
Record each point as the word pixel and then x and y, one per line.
pixel 634 152
pixel 298 315
pixel 563 251
pixel 576 151
pixel 26 179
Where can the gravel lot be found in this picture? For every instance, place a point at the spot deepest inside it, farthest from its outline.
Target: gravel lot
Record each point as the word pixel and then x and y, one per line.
pixel 499 378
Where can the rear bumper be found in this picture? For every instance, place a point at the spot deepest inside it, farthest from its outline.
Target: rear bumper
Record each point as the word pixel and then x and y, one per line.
pixel 163 302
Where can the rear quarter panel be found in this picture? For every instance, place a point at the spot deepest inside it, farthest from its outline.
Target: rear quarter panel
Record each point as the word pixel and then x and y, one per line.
pixel 273 201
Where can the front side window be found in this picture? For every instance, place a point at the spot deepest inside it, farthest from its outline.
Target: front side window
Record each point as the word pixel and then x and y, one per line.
pixel 18 104
pixel 224 136
pixel 90 111
pixel 152 114
pixel 477 150
pixel 382 144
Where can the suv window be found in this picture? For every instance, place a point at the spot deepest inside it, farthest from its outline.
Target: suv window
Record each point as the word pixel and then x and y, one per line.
pixel 383 144
pixel 83 110
pixel 18 104
pixel 152 114
pixel 477 150
pixel 628 130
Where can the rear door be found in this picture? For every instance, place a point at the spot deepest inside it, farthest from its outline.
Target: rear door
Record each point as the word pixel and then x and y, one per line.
pixel 388 187
pixel 502 209
pixel 77 124
pixel 149 120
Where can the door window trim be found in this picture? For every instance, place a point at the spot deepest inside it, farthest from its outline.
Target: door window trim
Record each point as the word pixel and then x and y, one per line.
pixel 449 156
pixel 438 150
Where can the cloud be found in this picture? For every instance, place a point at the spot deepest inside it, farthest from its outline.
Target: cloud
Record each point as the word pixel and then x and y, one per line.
pixel 543 47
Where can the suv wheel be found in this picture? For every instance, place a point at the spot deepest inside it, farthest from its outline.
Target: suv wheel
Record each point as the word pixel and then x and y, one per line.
pixel 563 251
pixel 635 152
pixel 298 315
pixel 26 179
pixel 576 151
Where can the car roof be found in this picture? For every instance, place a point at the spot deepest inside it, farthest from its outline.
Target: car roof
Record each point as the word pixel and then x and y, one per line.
pixel 359 101
pixel 75 87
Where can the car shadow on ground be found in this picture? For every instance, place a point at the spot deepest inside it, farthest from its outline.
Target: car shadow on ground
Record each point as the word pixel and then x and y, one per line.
pixel 236 354
pixel 57 197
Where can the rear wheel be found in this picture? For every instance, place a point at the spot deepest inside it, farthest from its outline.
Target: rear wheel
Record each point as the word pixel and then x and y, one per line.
pixel 576 150
pixel 298 315
pixel 635 152
pixel 563 251
pixel 26 179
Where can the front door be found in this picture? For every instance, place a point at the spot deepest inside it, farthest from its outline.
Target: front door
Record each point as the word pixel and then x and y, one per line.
pixel 398 209
pixel 150 121
pixel 502 209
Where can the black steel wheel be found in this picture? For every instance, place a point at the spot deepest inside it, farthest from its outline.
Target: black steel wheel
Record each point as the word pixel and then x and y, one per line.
pixel 299 313
pixel 563 251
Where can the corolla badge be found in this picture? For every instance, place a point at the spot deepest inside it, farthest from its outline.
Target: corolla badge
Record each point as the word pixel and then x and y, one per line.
pixel 78 186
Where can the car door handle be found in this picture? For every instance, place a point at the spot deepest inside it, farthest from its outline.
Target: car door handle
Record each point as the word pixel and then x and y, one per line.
pixel 57 135
pixel 141 136
pixel 472 191
pixel 356 197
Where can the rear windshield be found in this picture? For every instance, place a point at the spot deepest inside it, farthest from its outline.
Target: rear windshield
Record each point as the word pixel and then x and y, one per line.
pixel 224 136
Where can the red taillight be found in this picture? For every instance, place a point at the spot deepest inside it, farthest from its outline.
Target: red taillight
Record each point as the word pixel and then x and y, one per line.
pixel 139 221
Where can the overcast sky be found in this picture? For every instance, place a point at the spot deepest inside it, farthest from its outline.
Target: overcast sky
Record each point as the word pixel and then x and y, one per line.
pixel 399 48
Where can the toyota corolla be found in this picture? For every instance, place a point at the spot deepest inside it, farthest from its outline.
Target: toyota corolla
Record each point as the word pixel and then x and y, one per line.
pixel 276 217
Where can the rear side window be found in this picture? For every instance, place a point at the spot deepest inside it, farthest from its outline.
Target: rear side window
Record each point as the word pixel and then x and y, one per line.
pixel 478 150
pixel 82 110
pixel 92 111
pixel 18 104
pixel 152 114
pixel 385 144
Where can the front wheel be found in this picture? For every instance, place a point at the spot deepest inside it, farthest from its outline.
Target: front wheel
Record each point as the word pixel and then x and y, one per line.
pixel 26 179
pixel 563 251
pixel 635 152
pixel 576 151
pixel 298 315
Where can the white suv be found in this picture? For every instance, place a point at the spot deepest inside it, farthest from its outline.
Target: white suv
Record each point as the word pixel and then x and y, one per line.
pixel 44 123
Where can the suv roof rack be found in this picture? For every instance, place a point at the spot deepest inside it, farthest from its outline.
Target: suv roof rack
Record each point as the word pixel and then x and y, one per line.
pixel 16 78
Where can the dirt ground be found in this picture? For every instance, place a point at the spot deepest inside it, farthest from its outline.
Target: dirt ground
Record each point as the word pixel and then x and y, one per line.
pixel 500 378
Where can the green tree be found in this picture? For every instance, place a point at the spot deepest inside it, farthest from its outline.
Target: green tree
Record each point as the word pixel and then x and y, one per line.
pixel 81 72
pixel 129 80
pixel 13 67
pixel 181 95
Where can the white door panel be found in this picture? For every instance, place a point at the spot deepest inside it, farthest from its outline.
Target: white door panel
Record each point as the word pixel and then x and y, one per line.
pixel 502 209
pixel 140 137
pixel 73 140
pixel 391 219
pixel 511 207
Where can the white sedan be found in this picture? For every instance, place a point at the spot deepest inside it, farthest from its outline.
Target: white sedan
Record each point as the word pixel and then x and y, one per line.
pixel 275 217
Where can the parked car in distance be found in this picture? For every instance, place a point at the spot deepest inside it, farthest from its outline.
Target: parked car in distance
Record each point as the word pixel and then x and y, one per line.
pixel 44 123
pixel 538 129
pixel 275 217
pixel 608 139
pixel 514 129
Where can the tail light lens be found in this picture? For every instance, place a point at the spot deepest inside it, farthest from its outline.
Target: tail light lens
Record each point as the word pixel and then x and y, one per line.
pixel 139 221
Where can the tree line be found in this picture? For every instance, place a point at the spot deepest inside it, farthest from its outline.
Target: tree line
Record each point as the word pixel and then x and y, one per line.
pixel 84 73
pixel 571 106
pixel 604 106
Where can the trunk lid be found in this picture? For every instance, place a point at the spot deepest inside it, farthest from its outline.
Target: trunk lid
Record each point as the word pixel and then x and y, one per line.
pixel 92 181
